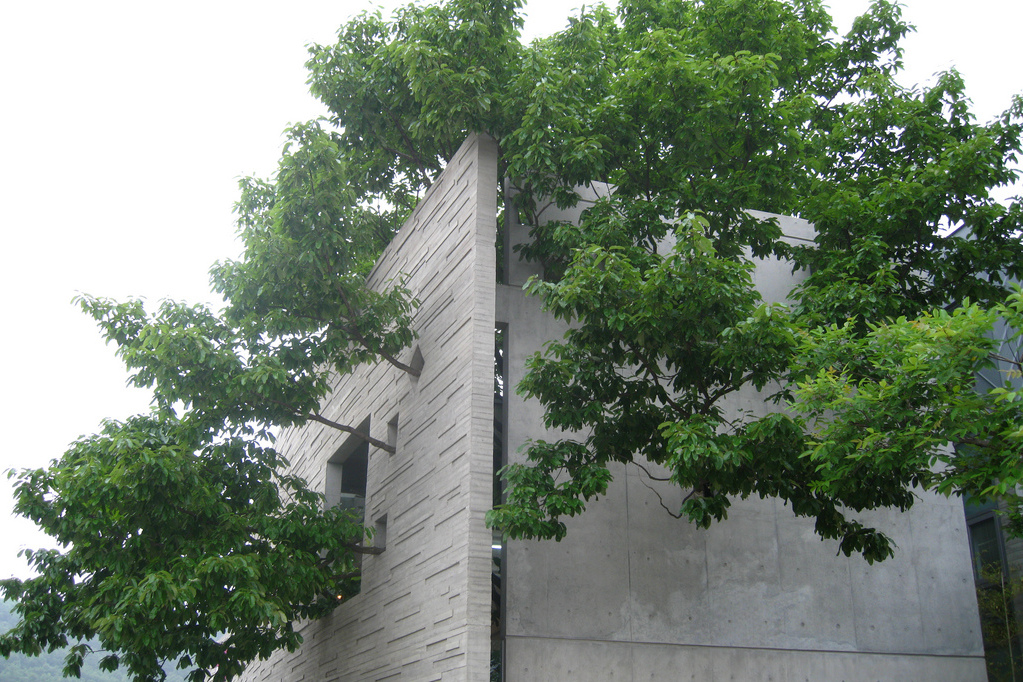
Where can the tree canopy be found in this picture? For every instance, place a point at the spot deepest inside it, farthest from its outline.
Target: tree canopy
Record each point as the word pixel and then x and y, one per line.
pixel 48 667
pixel 187 542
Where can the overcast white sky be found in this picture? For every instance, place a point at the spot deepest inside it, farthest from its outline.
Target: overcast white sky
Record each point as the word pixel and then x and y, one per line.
pixel 125 127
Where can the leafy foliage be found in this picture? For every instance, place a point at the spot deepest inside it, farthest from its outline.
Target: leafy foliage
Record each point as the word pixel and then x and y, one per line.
pixel 886 405
pixel 48 667
pixel 713 108
pixel 184 540
pixel 177 549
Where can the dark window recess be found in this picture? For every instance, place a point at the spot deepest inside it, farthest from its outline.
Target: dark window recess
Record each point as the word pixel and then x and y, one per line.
pixel 380 533
pixel 985 545
pixel 392 432
pixel 998 593
pixel 499 411
pixel 346 474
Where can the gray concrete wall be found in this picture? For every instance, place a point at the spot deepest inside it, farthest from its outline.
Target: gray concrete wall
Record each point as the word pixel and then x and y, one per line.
pixel 631 594
pixel 634 594
pixel 424 609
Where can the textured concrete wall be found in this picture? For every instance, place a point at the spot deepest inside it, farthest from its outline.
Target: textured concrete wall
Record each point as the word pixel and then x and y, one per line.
pixel 424 609
pixel 633 594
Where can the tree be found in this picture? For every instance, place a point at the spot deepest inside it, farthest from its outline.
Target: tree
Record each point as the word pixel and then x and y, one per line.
pixel 47 667
pixel 179 525
pixel 185 539
pixel 717 107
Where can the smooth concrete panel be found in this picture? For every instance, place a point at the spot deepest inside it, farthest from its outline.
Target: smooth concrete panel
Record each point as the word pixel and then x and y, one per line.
pixel 756 593
pixel 894 622
pixel 950 620
pixel 516 270
pixel 816 597
pixel 670 568
pixel 592 661
pixel 586 572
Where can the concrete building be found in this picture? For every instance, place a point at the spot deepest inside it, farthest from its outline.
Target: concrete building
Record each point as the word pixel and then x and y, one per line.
pixel 631 594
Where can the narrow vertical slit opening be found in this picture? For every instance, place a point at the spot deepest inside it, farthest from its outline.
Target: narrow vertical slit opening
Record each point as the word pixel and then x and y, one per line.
pixel 392 432
pixel 380 533
pixel 498 563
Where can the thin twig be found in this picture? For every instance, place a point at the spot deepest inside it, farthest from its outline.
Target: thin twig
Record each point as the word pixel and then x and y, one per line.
pixel 660 500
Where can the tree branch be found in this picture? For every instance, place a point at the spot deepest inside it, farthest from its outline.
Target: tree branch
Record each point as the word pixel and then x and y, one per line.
pixel 649 475
pixel 660 500
pixel 656 376
pixel 363 549
pixel 977 442
pixel 365 342
pixel 316 417
pixel 411 147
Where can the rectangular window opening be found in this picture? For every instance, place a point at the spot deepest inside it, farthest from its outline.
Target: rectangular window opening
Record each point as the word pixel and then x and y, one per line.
pixel 347 468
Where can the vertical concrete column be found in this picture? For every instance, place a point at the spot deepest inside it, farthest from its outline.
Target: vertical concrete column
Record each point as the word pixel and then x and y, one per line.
pixel 481 479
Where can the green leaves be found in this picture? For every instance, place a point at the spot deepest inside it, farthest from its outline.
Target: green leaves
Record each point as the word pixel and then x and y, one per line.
pixel 889 405
pixel 176 549
pixel 900 169
pixel 311 238
pixel 695 113
pixel 659 339
pixel 537 499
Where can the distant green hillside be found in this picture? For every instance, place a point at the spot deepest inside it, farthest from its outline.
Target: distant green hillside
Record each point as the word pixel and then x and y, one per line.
pixel 47 668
